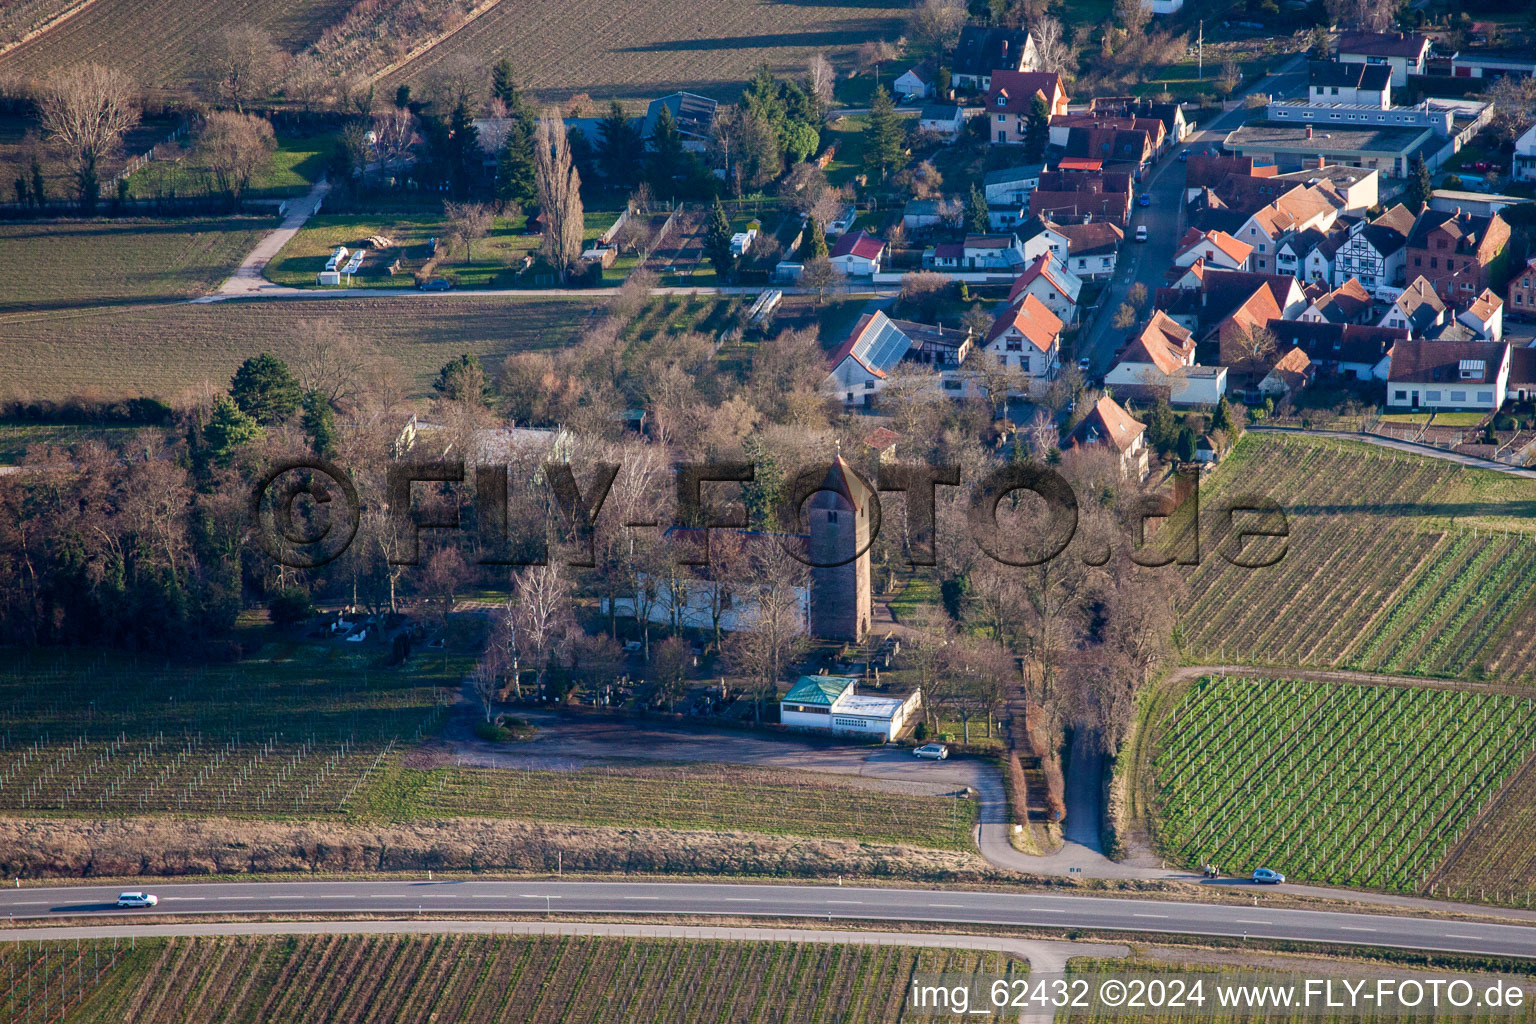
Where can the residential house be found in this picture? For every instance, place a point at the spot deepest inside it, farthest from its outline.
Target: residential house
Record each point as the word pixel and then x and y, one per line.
pixel 1291 255
pixel 1175 127
pixel 985 253
pixel 1376 253
pixel 1456 252
pixel 1067 195
pixel 1521 386
pixel 1522 291
pixel 1011 186
pixel 693 114
pixel 1347 350
pixel 1011 97
pixel 1048 280
pixel 1349 303
pixel 982 52
pixel 1160 362
pixel 1484 316
pixel 1404 53
pixel 1289 374
pixel 878 344
pixel 1298 208
pixel 1359 188
pixel 1092 248
pixel 1039 236
pixel 922 214
pixel 1353 84
pixel 1524 166
pixel 1417 310
pixel 1006 218
pixel 946 120
pixel 1107 425
pixel 1027 336
pixel 916 83
pixel 1470 375
pixel 857 254
pixel 1129 149
pixel 1220 292
pixel 1214 248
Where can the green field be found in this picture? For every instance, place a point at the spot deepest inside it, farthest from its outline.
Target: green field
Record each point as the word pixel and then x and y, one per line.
pixel 470 978
pixel 1366 786
pixel 176 347
pixel 494 264
pixel 63 264
pixel 1394 563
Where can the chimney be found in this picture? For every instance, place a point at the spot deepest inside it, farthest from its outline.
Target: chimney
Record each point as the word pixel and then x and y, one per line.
pixel 1321 163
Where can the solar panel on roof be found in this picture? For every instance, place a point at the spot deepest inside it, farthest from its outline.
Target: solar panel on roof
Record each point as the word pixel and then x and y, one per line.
pixel 883 344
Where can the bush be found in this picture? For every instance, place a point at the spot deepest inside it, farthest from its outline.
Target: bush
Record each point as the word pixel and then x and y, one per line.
pixel 494 733
pixel 290 606
pixel 921 732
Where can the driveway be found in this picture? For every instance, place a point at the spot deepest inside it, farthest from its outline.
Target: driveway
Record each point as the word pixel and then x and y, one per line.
pixel 248 278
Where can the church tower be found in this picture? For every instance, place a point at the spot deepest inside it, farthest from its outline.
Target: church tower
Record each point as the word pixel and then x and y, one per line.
pixel 840 525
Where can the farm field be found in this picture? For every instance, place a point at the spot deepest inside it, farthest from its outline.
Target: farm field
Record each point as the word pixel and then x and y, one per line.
pixel 1394 564
pixel 294 729
pixel 178 346
pixel 1366 786
pixel 714 796
pixel 64 264
pixel 473 978
pixel 495 261
pixel 652 47
pixel 158 41
pixel 1496 860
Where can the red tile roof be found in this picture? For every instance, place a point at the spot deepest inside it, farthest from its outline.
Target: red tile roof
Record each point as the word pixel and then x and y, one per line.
pixel 861 244
pixel 1032 319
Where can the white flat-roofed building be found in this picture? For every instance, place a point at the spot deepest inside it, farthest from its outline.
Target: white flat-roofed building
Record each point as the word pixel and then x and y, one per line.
pixel 830 704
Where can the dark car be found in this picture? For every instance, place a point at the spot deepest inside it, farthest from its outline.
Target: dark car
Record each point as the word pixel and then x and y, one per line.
pixel 1183 156
pixel 437 284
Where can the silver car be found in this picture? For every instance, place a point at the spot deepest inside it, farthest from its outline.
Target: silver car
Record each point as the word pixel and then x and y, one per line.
pixel 1267 876
pixel 137 899
pixel 933 751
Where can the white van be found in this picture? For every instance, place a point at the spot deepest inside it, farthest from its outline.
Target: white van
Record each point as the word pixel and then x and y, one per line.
pixel 1141 232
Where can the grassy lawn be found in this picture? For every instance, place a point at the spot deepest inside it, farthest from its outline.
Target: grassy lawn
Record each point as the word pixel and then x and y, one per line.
pixel 848 133
pixel 63 264
pixel 1416 419
pixel 477 979
pixel 1459 419
pixel 297 163
pixel 917 592
pixel 495 260
pixel 177 346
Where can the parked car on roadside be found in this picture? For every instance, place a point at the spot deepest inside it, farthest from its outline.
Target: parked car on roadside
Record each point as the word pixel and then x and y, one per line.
pixel 932 751
pixel 1267 876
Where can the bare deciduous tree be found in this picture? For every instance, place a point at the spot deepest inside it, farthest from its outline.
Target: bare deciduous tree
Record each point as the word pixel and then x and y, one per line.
pixel 1054 53
pixel 235 146
pixel 85 110
pixel 467 223
pixel 394 133
pixel 242 65
pixel 306 80
pixel 538 618
pixel 938 22
pixel 820 77
pixel 559 194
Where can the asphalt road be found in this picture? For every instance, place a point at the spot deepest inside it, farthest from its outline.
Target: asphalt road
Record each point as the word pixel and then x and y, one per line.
pixel 1147 262
pixel 812 902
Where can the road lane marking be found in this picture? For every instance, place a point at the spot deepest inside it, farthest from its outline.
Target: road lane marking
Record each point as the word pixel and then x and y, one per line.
pixel 1351 928
pixel 539 896
pixel 845 901
pixel 169 898
pixel 1474 938
pixel 285 897
pixel 1042 910
pixel 1149 915
pixel 642 897
pixel 1244 920
pixel 742 899
pixel 33 903
pixel 955 906
pixel 237 897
